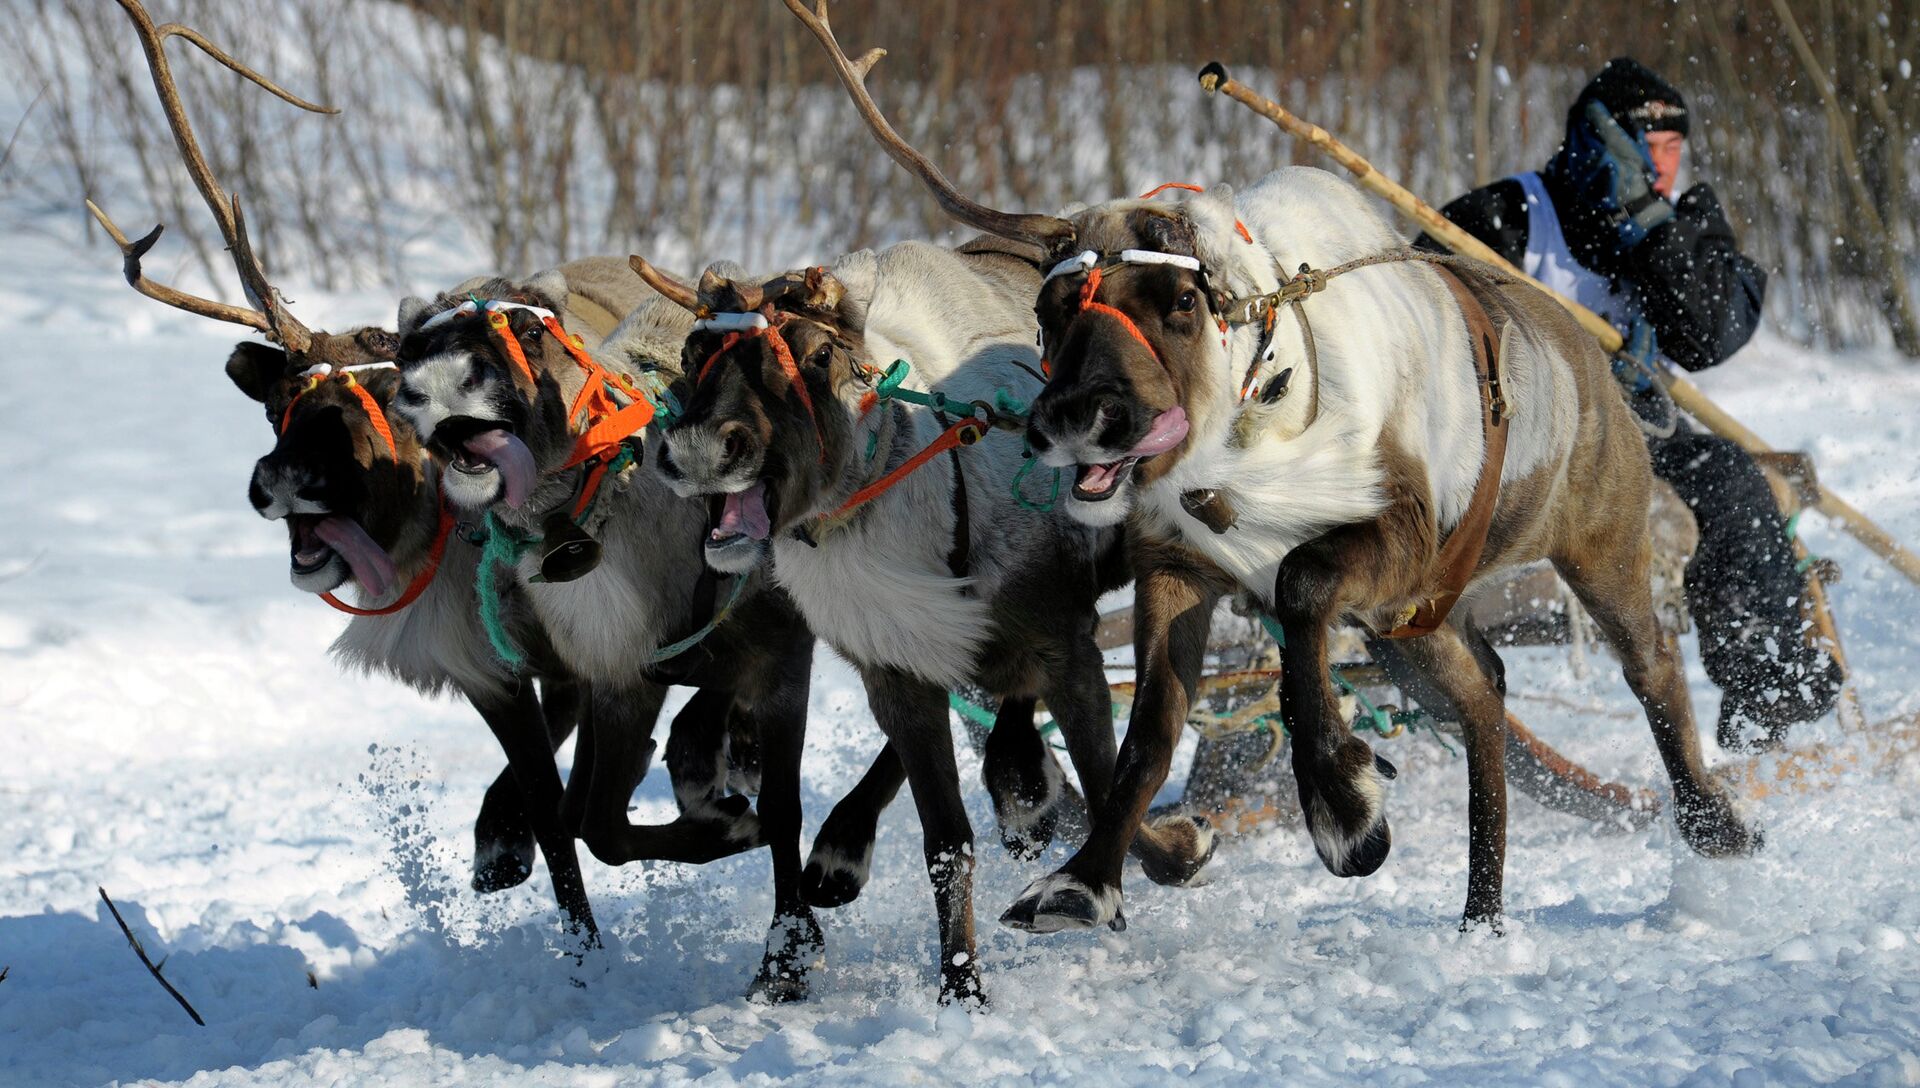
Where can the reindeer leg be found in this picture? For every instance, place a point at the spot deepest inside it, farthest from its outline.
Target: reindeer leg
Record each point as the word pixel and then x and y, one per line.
pixel 1024 780
pixel 1455 673
pixel 697 758
pixel 913 715
pixel 620 723
pixel 519 726
pixel 1172 614
pixel 1342 783
pixel 503 846
pixel 1610 578
pixel 795 945
pixel 842 856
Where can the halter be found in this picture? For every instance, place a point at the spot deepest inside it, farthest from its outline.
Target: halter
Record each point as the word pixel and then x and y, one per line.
pixel 740 327
pixel 322 372
pixel 608 409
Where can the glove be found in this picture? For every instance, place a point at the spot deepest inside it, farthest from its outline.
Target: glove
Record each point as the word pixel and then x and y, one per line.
pixel 1614 173
pixel 1634 363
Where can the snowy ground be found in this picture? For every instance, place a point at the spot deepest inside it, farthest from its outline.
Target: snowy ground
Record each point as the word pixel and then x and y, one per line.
pixel 296 842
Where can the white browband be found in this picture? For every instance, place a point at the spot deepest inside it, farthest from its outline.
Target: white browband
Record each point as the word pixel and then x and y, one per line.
pixel 730 322
pixel 323 370
pixel 1087 259
pixel 492 306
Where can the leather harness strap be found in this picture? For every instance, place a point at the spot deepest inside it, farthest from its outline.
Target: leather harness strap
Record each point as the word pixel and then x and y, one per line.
pixel 1459 555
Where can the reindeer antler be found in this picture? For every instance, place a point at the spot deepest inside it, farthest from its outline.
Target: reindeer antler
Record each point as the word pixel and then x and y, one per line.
pixel 673 290
pixel 1047 231
pixel 268 312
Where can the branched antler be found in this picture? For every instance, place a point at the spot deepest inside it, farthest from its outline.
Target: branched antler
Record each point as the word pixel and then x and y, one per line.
pixel 266 311
pixel 1046 231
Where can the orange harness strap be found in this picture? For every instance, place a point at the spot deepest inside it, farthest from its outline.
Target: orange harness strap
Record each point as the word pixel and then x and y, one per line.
pixel 420 581
pixel 782 354
pixel 497 321
pixel 1238 226
pixel 1087 290
pixel 374 412
pixel 964 433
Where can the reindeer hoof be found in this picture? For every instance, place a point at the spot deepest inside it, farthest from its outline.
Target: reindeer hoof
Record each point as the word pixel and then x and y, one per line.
pixel 500 864
pixel 1183 847
pixel 1713 829
pixel 1029 840
pixel 795 950
pixel 1344 800
pixel 1059 901
pixel 834 876
pixel 960 985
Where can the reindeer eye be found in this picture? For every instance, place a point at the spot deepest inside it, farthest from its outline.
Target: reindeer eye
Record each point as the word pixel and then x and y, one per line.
pixel 1186 302
pixel 822 355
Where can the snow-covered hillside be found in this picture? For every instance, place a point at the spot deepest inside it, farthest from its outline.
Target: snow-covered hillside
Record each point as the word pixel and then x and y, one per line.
pixel 296 841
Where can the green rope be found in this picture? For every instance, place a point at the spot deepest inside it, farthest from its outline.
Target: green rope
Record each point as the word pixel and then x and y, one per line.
pixel 1382 721
pixel 503 548
pixel 1793 533
pixel 675 649
pixel 1026 467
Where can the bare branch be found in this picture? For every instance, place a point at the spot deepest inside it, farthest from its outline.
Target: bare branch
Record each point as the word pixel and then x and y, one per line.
pixel 142 953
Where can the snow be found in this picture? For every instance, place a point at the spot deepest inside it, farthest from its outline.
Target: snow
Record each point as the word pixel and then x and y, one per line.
pixel 295 841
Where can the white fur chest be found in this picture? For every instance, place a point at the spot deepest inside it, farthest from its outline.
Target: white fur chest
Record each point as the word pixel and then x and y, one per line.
pixel 1283 493
pixel 871 593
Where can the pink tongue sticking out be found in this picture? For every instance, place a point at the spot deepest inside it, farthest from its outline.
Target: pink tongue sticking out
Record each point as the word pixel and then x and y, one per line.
pixel 372 566
pixel 511 457
pixel 1169 427
pixel 745 514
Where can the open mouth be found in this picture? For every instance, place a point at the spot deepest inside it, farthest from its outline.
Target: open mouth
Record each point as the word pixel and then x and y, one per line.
pixel 742 515
pixel 1102 481
pixel 318 538
pixel 476 449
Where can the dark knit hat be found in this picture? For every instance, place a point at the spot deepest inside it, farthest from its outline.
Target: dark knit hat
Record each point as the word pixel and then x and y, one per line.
pixel 1639 100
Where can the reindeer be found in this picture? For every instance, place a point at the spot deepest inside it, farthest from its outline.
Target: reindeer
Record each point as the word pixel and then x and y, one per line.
pixel 1358 468
pixel 908 555
pixel 360 498
pixel 492 386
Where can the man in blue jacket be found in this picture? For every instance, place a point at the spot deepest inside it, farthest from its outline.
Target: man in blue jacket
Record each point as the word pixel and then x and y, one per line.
pixel 1599 224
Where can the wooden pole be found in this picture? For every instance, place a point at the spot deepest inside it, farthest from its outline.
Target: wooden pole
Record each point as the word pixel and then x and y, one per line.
pixel 1214 78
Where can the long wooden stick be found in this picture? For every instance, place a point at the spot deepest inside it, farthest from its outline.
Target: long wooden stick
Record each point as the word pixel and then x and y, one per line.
pixel 1685 394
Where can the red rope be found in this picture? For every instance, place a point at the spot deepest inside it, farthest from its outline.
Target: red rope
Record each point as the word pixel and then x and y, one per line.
pixel 420 581
pixel 1165 185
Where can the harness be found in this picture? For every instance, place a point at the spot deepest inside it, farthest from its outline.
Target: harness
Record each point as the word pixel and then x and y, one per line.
pixel 1459 554
pixel 322 372
pixel 976 418
pixel 608 409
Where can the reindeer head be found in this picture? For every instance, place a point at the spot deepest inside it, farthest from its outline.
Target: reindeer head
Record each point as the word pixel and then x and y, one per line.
pixel 1132 315
pixel 349 478
pixel 774 380
pixel 350 482
pixel 487 385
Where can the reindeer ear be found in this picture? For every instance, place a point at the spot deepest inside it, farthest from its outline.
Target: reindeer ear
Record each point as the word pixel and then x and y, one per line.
pixel 255 368
pixel 379 343
pixel 858 275
pixel 413 310
pixel 548 289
